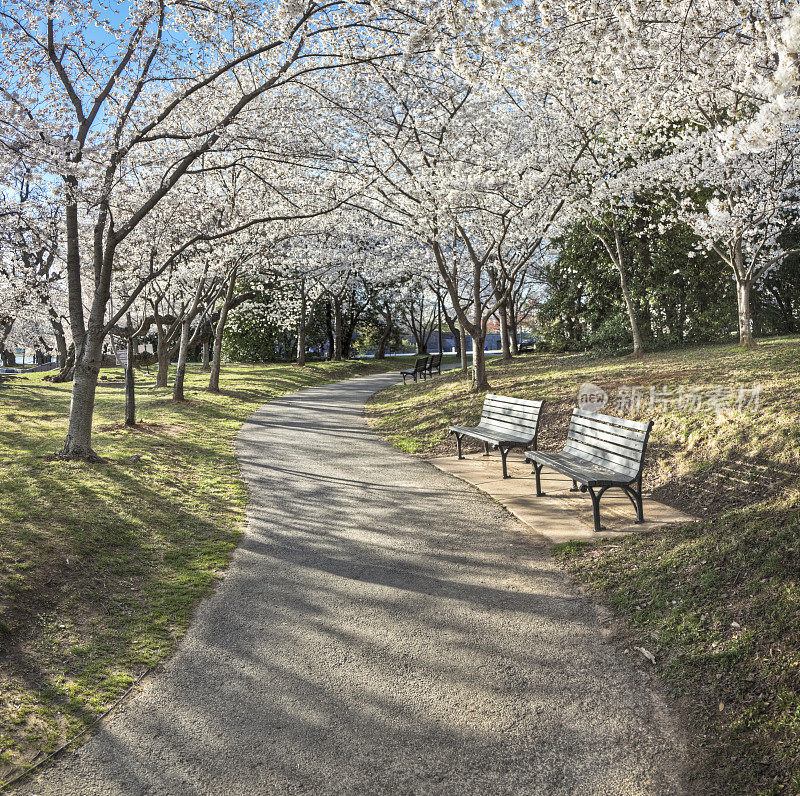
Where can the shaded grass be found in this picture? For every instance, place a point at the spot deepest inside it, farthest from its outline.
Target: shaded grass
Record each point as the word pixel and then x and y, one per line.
pixel 102 564
pixel 717 602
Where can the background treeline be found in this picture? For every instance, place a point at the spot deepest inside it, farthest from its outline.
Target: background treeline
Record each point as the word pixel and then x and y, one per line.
pixel 682 296
pixel 258 333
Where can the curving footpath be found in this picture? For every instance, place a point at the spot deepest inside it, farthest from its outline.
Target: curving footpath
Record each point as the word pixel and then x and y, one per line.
pixel 384 628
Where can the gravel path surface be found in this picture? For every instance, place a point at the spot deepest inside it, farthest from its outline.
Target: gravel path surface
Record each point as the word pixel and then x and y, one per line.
pixel 383 629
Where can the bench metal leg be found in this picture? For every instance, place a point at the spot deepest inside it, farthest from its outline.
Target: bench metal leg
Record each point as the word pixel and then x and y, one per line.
pixel 504 453
pixel 486 449
pixel 537 468
pixel 575 487
pixel 634 493
pixel 458 443
pixel 595 504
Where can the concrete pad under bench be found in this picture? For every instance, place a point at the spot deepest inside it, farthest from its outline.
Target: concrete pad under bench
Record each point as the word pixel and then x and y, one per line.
pixel 561 515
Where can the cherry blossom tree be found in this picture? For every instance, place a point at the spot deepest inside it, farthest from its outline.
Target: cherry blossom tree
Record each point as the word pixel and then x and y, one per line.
pixel 144 91
pixel 457 170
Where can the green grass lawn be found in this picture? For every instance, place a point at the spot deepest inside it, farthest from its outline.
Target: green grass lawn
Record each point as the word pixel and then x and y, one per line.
pixel 102 564
pixel 717 602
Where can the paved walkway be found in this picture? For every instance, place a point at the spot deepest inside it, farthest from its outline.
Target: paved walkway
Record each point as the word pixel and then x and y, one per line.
pixel 383 629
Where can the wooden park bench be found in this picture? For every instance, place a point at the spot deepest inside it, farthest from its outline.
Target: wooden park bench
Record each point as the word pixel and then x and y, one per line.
pixel 505 423
pixel 601 452
pixel 420 369
pixel 528 347
pixel 434 363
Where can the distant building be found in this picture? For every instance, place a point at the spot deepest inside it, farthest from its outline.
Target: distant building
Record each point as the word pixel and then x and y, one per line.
pixel 449 346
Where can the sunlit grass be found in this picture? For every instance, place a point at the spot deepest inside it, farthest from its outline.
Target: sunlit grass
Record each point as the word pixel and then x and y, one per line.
pixel 738 453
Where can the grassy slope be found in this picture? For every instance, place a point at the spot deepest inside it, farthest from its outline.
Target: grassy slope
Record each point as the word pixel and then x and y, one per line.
pixel 101 565
pixel 718 601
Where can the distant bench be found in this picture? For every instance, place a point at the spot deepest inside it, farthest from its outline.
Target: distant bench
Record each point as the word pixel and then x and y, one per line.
pixel 601 452
pixel 420 369
pixel 434 363
pixel 424 367
pixel 505 423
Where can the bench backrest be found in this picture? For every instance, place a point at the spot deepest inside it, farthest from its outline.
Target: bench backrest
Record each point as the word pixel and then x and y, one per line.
pixel 504 414
pixel 421 364
pixel 613 442
pixel 436 360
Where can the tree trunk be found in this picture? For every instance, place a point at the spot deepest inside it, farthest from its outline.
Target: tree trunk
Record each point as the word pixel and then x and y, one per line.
pixel 504 342
pixel 301 343
pixel 462 344
pixel 454 330
pixel 337 330
pixel 216 362
pixel 164 355
pixel 78 443
pixel 180 372
pixel 61 341
pixel 301 328
pixel 512 326
pixel 479 381
pixel 439 301
pixel 130 388
pixel 380 353
pixel 743 290
pixel 637 337
pixel 6 325
pixel 206 348
pixel 348 332
pixel 329 328
pixel 68 368
pixel 619 262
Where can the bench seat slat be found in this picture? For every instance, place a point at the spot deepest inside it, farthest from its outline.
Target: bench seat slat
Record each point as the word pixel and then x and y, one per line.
pixel 502 422
pixel 624 422
pixel 581 471
pixel 522 411
pixel 594 442
pixel 598 460
pixel 518 402
pixel 510 408
pixel 488 422
pixel 522 419
pixel 505 411
pixel 492 435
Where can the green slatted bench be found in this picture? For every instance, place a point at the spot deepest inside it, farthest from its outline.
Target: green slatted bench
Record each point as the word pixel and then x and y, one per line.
pixel 435 363
pixel 505 423
pixel 601 452
pixel 420 369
